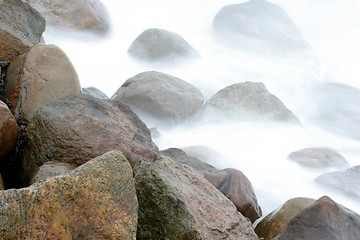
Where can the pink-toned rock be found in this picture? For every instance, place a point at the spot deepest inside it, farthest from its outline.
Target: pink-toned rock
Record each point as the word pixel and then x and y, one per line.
pixel 51 169
pixel 8 130
pixel 40 77
pixel 176 202
pixel 21 27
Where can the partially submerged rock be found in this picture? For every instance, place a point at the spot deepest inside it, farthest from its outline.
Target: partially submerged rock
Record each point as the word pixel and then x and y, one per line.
pixel 39 77
pixel 77 205
pixel 160 45
pixel 176 202
pixel 78 128
pixel 21 27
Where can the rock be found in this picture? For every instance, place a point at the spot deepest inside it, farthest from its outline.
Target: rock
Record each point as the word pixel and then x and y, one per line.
pixel 40 77
pixel 337 109
pixel 176 202
pixel 161 45
pixel 77 205
pixel 319 157
pixel 257 25
pixel 94 92
pixel 276 222
pixel 83 15
pixel 8 130
pixel 78 128
pixel 51 169
pixel 246 101
pixel 160 97
pixel 238 188
pixel 21 27
pixel 323 220
pixel 2 186
pixel 346 181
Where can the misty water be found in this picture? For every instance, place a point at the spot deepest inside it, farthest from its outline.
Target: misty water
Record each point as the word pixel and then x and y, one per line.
pixel 259 150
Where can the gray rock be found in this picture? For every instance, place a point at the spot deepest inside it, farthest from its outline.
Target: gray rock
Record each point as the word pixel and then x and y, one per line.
pixel 51 169
pixel 94 92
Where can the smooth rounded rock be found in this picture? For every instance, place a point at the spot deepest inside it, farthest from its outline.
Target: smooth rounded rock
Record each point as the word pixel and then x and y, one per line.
pixel 8 130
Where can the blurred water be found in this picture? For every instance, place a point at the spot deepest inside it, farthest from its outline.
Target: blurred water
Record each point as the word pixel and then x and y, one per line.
pixel 259 150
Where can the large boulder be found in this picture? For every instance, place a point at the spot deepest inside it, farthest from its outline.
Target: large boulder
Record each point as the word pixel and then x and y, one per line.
pixel 160 45
pixel 346 181
pixel 160 97
pixel 8 130
pixel 248 101
pixel 257 25
pixel 176 202
pixel 83 15
pixel 323 220
pixel 21 27
pixel 231 182
pixel 319 157
pixel 276 222
pixel 77 205
pixel 51 169
pixel 39 77
pixel 78 128
pixel 336 109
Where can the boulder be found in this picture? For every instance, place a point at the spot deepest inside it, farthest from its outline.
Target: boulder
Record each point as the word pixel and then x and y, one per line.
pixel 8 130
pixel 248 101
pixel 77 205
pixel 176 202
pixel 78 128
pixel 231 182
pixel 336 109
pixel 276 222
pixel 39 77
pixel 257 25
pixel 93 91
pixel 161 45
pixel 319 157
pixel 83 15
pixel 51 169
pixel 323 220
pixel 160 97
pixel 346 181
pixel 2 186
pixel 21 27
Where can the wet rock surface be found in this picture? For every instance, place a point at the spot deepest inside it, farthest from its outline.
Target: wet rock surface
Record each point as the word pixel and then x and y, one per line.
pixel 40 77
pixel 78 128
pixel 21 27
pixel 176 202
pixel 77 205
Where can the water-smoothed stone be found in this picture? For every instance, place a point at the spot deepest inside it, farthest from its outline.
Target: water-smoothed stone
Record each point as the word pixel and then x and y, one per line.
pixel 319 157
pixel 276 222
pixel 77 128
pixel 161 45
pixel 93 91
pixel 95 201
pixel 21 27
pixel 248 101
pixel 323 220
pixel 257 25
pixel 51 169
pixel 176 202
pixel 39 77
pixel 347 181
pixel 83 15
pixel 336 109
pixel 8 130
pixel 159 97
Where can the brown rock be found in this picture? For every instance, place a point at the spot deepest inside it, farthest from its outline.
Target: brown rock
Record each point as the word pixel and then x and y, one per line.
pixel 277 221
pixel 51 169
pixel 39 77
pixel 84 15
pixel 95 201
pixel 2 186
pixel 319 157
pixel 176 202
pixel 21 27
pixel 78 128
pixel 8 130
